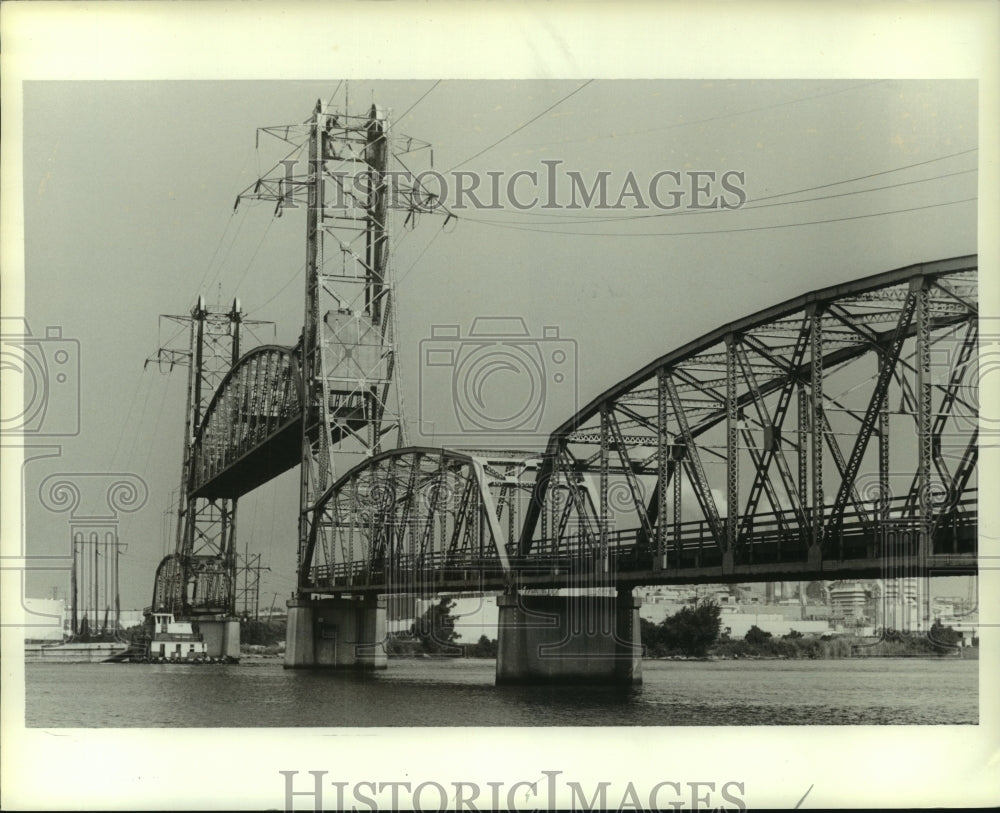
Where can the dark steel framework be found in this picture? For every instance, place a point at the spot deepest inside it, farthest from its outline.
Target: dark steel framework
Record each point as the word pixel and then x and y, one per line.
pixel 823 437
pixel 414 519
pixel 767 424
pixel 842 425
pixel 198 578
pixel 350 388
pixel 335 392
pixel 251 427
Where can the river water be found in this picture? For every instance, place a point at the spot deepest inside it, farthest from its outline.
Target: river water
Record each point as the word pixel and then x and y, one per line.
pixel 460 692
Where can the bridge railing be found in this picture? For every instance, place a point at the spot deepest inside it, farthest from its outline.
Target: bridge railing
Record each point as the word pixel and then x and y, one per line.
pixel 767 538
pixel 406 573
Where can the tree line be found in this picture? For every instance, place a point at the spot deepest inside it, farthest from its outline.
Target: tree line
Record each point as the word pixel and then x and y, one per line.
pixel 695 632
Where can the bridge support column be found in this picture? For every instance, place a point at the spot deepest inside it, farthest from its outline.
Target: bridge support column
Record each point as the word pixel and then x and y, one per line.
pixel 222 637
pixel 569 639
pixel 336 633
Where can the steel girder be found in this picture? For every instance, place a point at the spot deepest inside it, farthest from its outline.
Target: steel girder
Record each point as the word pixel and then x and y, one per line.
pixel 716 414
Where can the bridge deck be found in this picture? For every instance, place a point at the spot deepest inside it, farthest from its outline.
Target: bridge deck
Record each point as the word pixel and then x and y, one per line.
pixel 860 551
pixel 273 456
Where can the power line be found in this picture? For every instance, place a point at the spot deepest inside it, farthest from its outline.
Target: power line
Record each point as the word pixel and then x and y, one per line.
pixel 583 218
pixel 719 117
pixel 430 242
pixel 255 253
pixel 229 222
pixel 281 290
pixel 418 101
pixel 128 414
pixel 876 174
pixel 336 90
pixel 518 129
pixel 716 231
pixel 580 220
pixel 217 274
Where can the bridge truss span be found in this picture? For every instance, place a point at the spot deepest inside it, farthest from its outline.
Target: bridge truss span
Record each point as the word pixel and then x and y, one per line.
pixel 251 429
pixel 801 438
pixel 418 519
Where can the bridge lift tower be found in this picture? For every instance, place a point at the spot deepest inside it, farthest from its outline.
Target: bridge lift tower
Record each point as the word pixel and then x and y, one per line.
pixel 347 351
pixel 197 581
pixel 345 358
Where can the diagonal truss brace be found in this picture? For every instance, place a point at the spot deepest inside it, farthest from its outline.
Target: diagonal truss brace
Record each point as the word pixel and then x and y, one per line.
pixel 695 469
pixel 891 357
pixel 633 483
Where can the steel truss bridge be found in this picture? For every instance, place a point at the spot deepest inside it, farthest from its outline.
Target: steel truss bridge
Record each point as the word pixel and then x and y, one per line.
pixel 831 436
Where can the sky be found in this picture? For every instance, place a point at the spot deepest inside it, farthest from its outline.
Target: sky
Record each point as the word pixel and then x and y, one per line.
pixel 129 191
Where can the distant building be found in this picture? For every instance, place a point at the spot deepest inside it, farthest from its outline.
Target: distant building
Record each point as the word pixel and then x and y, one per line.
pixel 44 619
pixel 815 612
pixel 847 601
pixel 737 624
pixel 49 619
pixel 898 605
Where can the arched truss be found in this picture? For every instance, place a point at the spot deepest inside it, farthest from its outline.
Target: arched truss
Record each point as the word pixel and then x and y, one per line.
pixel 251 429
pixel 192 583
pixel 416 519
pixel 168 586
pixel 826 420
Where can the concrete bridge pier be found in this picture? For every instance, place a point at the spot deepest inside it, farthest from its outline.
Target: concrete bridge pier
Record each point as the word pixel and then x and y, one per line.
pixel 222 636
pixel 569 639
pixel 335 633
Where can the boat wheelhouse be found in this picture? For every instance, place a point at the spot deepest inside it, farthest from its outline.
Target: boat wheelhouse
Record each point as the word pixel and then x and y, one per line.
pixel 175 640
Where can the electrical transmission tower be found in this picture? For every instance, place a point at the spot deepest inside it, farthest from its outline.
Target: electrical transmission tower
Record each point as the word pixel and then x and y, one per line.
pixel 347 351
pixel 199 577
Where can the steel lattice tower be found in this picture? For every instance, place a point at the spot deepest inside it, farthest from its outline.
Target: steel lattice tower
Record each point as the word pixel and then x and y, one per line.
pixel 352 402
pixel 199 578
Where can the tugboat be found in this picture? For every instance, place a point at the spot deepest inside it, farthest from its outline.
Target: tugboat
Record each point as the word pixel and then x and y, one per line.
pixel 175 641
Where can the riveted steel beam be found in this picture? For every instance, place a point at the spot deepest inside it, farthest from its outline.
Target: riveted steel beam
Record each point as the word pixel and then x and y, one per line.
pixel 892 353
pixel 695 469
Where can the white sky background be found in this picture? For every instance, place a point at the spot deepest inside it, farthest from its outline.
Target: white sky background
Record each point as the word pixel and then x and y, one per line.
pixel 128 190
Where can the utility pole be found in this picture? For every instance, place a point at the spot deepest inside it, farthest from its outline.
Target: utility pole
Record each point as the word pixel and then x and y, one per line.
pixel 94 585
pixel 248 584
